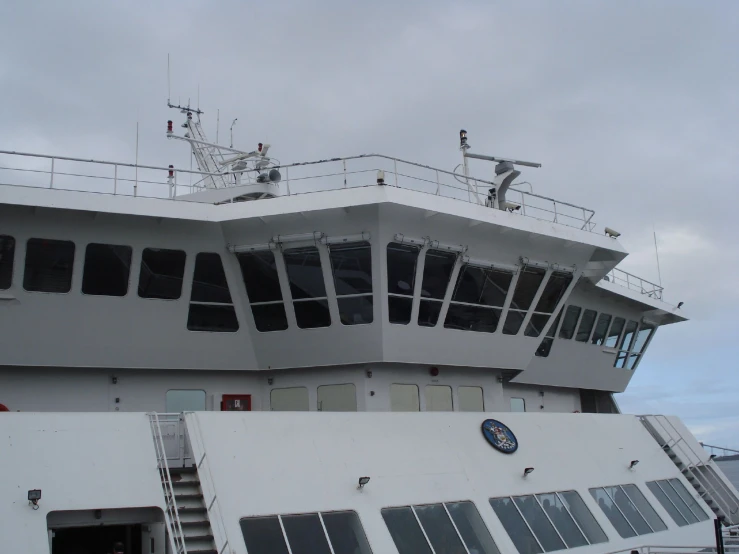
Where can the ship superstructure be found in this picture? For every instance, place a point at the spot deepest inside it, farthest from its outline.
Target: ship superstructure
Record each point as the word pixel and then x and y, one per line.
pixel 360 284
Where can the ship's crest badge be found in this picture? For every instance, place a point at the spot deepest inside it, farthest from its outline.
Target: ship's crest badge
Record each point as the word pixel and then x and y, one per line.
pixel 500 436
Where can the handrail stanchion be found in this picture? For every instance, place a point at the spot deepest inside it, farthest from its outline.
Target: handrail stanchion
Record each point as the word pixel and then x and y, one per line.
pixel 344 173
pixel 51 183
pixel 395 165
pixel 438 184
pixel 287 180
pixel 115 179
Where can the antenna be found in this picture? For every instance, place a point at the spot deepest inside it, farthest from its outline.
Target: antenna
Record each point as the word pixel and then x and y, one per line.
pixel 169 86
pixel 136 182
pixel 232 132
pixel 656 252
pixel 218 124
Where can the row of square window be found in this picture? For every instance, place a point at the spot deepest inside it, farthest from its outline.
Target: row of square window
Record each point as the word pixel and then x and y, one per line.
pixel 535 523
pixel 630 338
pixel 343 398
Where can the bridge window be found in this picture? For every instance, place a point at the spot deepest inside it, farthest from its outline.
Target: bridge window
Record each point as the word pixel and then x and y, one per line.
pixel 447 528
pixel 211 307
pixel 185 401
pixel 529 281
pixel 259 271
pixel 553 293
pixel 7 253
pixel 352 269
pixel 623 506
pixel 677 501
pixel 161 273
pixel 569 323
pixel 404 398
pixel 337 398
pixel 436 274
pixel 586 325
pixel 438 398
pixel 639 345
pixel 307 287
pixel 107 269
pixel 478 299
pixel 615 332
pixel 49 265
pixel 293 399
pixel 316 533
pixel 601 328
pixel 627 342
pixel 470 399
pixel 401 279
pixel 546 345
pixel 518 405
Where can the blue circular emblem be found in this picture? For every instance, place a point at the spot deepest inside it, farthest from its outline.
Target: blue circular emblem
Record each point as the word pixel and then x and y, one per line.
pixel 500 436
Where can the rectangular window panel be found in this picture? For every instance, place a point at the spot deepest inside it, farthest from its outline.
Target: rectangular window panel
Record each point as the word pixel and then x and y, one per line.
pixel 620 360
pixel 601 328
pixel 439 529
pixel 7 254
pixel 515 526
pixel 48 265
pixel 401 268
pixel 399 309
pixel 337 398
pixel 629 334
pixel 615 332
pixel 352 268
pixel 583 517
pixel 513 322
pixel 542 529
pixel 487 287
pixel 528 284
pixel 613 514
pixel 269 317
pixel 536 324
pixel 263 535
pixel 212 317
pixel 355 310
pixel 545 347
pixel 645 331
pixel 404 398
pixel 644 507
pixel 259 272
pixel 178 401
pixel 553 327
pixel 312 313
pixel 675 513
pixel 561 519
pixel 305 534
pixel 107 269
pixel 428 313
pixel 572 314
pixel 472 318
pixel 405 531
pixel 161 273
pixel 438 398
pixel 689 500
pixel 631 362
pixel 553 292
pixel 294 399
pixel 628 509
pixel 470 399
pixel 436 273
pixel 518 405
pixel 209 280
pixel 586 325
pixel 471 527
pixel 346 533
pixel 305 273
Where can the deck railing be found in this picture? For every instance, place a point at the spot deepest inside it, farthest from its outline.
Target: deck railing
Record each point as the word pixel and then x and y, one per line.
pixel 106 177
pixel 630 281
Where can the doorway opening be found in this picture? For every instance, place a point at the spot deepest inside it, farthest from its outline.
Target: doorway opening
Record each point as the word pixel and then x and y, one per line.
pixel 99 539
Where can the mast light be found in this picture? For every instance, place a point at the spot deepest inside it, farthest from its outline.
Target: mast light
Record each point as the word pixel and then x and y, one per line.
pixel 169 127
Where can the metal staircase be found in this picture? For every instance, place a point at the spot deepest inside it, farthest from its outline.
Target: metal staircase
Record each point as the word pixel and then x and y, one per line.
pixel 186 514
pixel 697 467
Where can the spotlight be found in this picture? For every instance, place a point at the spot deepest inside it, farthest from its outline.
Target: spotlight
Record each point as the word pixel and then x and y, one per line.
pixel 380 177
pixel 612 233
pixel 633 463
pixel 362 482
pixel 463 139
pixel 527 471
pixel 712 457
pixel 680 305
pixel 34 496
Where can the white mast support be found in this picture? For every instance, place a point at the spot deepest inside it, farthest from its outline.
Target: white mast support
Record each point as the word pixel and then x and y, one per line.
pixel 494 159
pixel 207 156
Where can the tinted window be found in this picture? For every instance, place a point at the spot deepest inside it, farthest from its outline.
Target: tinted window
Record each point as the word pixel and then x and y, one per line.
pixel 646 510
pixel 436 273
pixel 263 535
pixel 586 325
pixel 48 265
pixel 161 273
pixel 667 504
pixel 528 283
pixel 688 498
pixel 209 280
pixel 629 334
pixel 439 529
pixel 471 318
pixel 513 322
pixel 401 268
pixel 352 268
pixel 438 398
pixel 545 347
pixel 213 318
pixel 487 287
pixel 305 534
pixel 310 314
pixel 601 328
pixel 260 276
pixel 584 518
pixel 518 405
pixel 471 528
pixel 536 324
pixel 533 514
pixel 305 273
pixel 613 513
pixel 561 519
pixel 645 331
pixel 337 398
pixel 399 308
pixel 355 310
pixel 404 398
pixel 553 292
pixel 346 533
pixel 269 317
pixel 624 503
pixel 107 269
pixel 7 253
pixel 404 530
pixel 572 314
pixel 470 399
pixel 615 331
pixel 428 313
pixel 293 399
pixel 515 526
pixel 185 401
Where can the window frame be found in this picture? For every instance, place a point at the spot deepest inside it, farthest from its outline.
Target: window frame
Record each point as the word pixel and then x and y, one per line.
pixel 11 265
pixel 71 271
pixel 545 316
pixel 281 302
pixel 128 279
pixel 141 268
pixel 605 488
pixel 307 398
pixel 200 257
pixel 315 299
pixel 339 296
pixel 492 308
pixel 513 307
pixel 426 302
pixel 408 248
pixel 205 399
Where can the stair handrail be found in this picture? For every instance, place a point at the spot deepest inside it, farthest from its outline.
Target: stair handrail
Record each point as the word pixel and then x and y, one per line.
pixel 207 485
pixel 174 525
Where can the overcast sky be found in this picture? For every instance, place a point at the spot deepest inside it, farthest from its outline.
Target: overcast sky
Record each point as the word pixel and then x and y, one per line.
pixel 631 107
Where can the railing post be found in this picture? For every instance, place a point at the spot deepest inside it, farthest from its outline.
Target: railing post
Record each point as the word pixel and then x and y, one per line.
pixel 344 173
pixel 395 165
pixel 438 184
pixel 115 179
pixel 523 203
pixel 51 183
pixel 555 211
pixel 287 180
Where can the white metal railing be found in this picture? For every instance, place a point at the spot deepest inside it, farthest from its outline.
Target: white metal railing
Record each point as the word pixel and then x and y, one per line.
pixel 731 451
pixel 174 525
pixel 106 177
pixel 207 485
pixel 630 281
pixel 652 549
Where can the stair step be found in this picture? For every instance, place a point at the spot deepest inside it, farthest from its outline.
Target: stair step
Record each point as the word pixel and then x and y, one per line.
pixel 194 538
pixel 198 523
pixel 188 496
pixel 183 483
pixel 208 551
pixel 191 509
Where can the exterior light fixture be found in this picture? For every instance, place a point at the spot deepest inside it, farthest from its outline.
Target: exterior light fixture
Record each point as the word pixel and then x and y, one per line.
pixel 680 305
pixel 633 463
pixel 712 457
pixel 380 177
pixel 34 496
pixel 169 127
pixel 527 471
pixel 612 233
pixel 463 139
pixel 362 482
